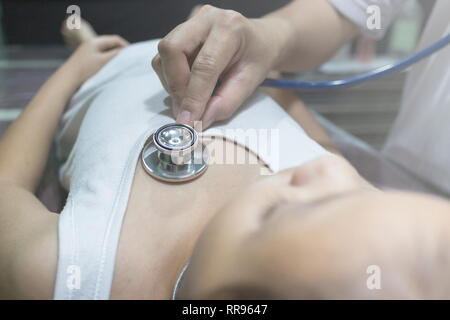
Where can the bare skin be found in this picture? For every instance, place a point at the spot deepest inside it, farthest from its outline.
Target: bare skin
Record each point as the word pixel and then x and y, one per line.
pixel 321 247
pixel 165 220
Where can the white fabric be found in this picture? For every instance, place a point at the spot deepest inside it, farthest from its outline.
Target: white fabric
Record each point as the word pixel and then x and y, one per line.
pixel 419 140
pixel 118 109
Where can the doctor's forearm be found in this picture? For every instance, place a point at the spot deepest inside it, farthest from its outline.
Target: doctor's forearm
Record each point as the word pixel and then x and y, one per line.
pixel 314 31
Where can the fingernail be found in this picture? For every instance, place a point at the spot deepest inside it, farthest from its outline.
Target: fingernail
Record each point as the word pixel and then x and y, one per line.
pixel 175 107
pixel 184 117
pixel 175 111
pixel 176 102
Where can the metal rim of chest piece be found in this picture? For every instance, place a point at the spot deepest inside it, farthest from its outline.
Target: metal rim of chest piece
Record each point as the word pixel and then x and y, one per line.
pixel 174 154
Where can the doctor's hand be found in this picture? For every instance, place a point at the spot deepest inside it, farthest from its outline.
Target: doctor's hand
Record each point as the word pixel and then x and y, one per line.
pixel 213 62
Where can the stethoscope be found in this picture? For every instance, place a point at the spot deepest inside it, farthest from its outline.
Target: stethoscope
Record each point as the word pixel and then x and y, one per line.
pixel 174 153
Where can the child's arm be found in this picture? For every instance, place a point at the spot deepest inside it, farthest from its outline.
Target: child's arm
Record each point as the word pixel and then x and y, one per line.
pixel 25 145
pixel 28 245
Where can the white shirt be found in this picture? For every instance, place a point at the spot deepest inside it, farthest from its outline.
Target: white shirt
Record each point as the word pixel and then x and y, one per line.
pixel 420 138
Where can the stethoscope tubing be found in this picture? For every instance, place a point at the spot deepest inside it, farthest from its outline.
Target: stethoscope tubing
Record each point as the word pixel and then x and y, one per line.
pixel 353 81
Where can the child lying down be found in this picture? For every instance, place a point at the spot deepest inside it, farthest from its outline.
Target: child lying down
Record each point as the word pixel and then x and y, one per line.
pixel 313 228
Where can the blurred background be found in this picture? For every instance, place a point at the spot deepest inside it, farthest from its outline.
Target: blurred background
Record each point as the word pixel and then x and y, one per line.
pixel 37 21
pixel 31 48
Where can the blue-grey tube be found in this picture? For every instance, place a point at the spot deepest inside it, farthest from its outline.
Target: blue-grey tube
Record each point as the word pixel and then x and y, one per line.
pixel 352 81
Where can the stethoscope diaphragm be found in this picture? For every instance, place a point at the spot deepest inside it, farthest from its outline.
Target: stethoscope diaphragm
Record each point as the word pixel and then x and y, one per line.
pixel 174 154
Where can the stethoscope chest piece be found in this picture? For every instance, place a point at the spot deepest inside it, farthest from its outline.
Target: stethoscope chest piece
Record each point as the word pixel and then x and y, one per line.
pixel 174 154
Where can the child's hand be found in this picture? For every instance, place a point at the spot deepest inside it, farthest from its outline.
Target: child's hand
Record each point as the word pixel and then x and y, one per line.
pixel 92 55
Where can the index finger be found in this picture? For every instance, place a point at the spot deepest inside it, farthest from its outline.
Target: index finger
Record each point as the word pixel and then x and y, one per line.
pixel 174 51
pixel 215 55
